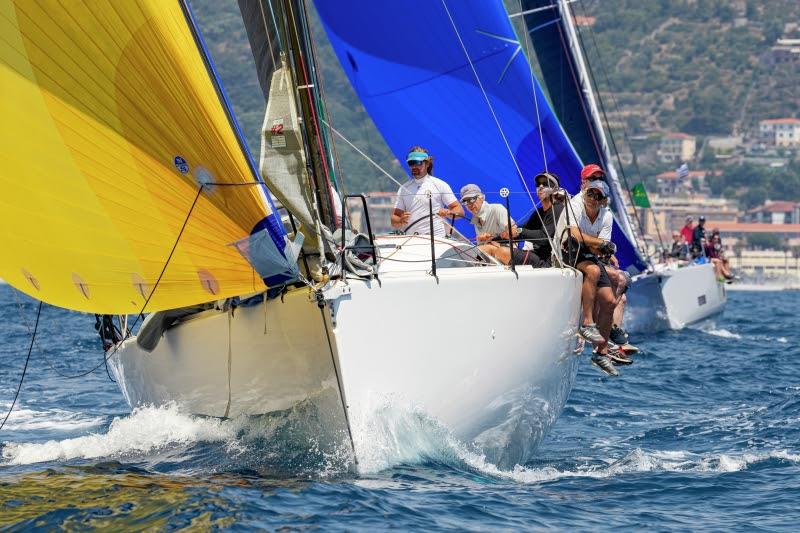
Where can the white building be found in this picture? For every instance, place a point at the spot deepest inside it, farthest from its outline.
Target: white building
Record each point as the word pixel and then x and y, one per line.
pixel 780 131
pixel 677 147
pixel 775 212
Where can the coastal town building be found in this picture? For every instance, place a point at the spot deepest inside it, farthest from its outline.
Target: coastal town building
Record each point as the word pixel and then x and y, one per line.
pixel 668 213
pixel 677 147
pixel 774 212
pixel 785 52
pixel 380 205
pixel 784 132
pixel 675 183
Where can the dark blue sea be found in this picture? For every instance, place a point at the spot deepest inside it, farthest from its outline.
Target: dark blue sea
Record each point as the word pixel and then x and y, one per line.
pixel 702 432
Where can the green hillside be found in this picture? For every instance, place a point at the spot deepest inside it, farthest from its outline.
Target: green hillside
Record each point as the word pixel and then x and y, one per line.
pixel 697 66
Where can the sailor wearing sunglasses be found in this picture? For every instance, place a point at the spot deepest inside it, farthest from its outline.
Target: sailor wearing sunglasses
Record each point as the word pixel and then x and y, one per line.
pixel 590 225
pixel 412 210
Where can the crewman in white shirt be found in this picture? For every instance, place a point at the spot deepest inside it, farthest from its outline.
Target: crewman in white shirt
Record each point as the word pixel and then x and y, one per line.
pixel 412 206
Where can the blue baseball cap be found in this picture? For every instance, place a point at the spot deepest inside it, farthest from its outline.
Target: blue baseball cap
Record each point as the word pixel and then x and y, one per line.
pixel 417 156
pixel 599 186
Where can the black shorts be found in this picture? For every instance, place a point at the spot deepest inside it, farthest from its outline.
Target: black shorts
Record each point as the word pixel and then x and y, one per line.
pixel 603 280
pixel 527 257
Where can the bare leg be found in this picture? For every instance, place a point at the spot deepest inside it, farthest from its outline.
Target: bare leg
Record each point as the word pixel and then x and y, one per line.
pixel 619 310
pixel 591 273
pixel 606 299
pixel 717 267
pixel 501 253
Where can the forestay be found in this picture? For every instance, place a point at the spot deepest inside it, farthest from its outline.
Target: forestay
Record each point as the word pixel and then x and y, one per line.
pixel 552 49
pixel 113 119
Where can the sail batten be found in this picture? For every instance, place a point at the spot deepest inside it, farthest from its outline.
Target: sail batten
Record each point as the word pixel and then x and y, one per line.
pixel 114 123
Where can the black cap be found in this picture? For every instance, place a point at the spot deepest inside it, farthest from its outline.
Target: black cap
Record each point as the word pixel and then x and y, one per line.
pixel 701 218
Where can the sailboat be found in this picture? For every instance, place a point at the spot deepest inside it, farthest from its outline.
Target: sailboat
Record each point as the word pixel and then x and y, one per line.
pixel 129 190
pixel 662 296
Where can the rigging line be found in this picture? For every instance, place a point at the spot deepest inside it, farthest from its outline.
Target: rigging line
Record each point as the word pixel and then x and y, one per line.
pixel 30 331
pixel 624 129
pixel 599 145
pixel 489 104
pixel 535 10
pixel 527 37
pixel 25 368
pixel 266 31
pixel 336 166
pixel 108 356
pixel 527 40
pixel 339 384
pixel 592 80
pixel 486 97
pixel 361 153
pixel 306 72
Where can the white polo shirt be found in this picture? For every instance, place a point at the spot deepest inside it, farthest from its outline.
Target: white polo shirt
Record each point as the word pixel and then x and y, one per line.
pixel 600 228
pixel 413 196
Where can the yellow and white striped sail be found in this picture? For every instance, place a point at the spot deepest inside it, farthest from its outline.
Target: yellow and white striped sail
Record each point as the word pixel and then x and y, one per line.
pixel 96 101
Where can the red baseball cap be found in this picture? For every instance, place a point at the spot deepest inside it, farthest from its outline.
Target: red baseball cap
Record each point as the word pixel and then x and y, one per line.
pixel 590 170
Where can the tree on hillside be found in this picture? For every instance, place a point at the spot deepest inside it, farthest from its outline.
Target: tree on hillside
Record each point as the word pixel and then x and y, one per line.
pixel 708 112
pixel 754 197
pixel 767 241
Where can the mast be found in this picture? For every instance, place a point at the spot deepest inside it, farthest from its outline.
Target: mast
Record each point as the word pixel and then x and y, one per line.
pixel 295 33
pixel 591 102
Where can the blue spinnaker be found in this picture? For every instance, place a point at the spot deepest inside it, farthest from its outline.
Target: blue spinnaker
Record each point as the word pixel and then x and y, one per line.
pixel 452 77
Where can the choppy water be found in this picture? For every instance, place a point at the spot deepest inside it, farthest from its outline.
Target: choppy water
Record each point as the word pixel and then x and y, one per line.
pixel 702 432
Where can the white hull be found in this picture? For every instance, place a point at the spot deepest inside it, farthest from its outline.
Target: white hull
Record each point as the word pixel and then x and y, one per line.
pixel 673 298
pixel 485 352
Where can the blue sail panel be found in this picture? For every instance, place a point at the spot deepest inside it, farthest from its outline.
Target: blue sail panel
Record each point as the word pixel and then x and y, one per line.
pixel 452 77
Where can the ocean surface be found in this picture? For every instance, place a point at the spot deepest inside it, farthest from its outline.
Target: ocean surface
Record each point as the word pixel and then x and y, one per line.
pixel 702 432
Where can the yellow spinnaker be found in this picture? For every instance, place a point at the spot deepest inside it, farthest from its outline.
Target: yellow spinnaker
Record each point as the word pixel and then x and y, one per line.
pixel 96 101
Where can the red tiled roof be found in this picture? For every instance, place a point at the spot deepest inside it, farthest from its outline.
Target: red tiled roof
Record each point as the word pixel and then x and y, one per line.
pixel 781 121
pixel 585 21
pixel 672 175
pixel 747 227
pixel 679 136
pixel 778 206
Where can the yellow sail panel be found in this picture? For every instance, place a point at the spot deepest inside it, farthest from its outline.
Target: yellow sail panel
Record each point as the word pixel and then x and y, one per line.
pixel 110 123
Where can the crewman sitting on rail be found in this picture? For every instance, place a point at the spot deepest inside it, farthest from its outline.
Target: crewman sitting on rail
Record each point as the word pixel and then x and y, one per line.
pixel 538 231
pixel 590 223
pixel 620 280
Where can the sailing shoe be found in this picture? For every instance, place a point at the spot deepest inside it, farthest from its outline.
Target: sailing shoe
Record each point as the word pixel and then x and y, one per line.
pixel 591 334
pixel 604 363
pixel 618 335
pixel 617 356
pixel 629 348
pixel 579 344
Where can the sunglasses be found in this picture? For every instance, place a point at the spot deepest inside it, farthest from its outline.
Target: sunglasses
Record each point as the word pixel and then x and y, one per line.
pixel 414 163
pixel 469 201
pixel 594 195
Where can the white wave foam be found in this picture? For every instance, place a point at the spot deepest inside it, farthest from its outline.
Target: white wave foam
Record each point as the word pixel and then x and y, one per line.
pixel 637 460
pixel 145 430
pixel 394 433
pixel 22 419
pixel 722 332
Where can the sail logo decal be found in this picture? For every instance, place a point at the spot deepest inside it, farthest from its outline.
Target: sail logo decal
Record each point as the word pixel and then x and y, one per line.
pixel 181 164
pixel 701 300
pixel 277 138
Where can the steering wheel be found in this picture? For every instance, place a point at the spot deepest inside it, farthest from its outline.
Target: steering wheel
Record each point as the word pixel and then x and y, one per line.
pixel 420 219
